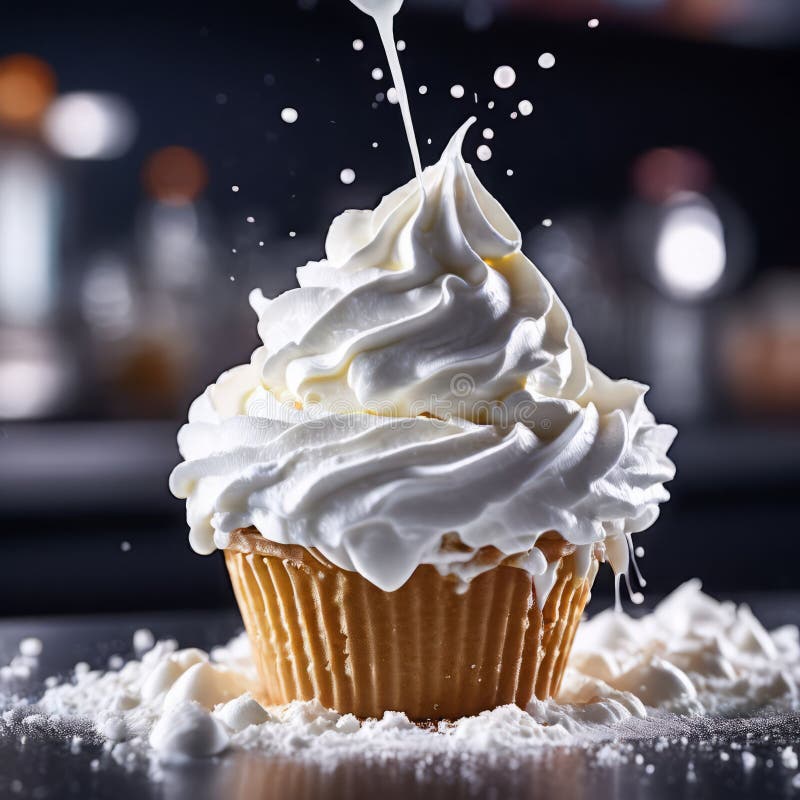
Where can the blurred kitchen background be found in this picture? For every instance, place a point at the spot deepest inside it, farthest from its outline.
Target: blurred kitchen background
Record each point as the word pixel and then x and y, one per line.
pixel 148 182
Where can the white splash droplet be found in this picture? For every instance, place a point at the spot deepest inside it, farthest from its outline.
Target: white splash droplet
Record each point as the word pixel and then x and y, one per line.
pixel 547 222
pixel 347 176
pixel 490 104
pixel 639 552
pixel 484 152
pixel 457 91
pixel 31 647
pixel 391 96
pixel 423 89
pixel 401 45
pixel 593 23
pixel 292 234
pixel 234 188
pixel 513 115
pixel 289 115
pixel 505 76
pixel 547 60
pixel 375 144
pixel 509 172
pixel 377 74
pixel 488 133
pixel 251 219
pixel 525 107
pixel 358 44
pixel 143 640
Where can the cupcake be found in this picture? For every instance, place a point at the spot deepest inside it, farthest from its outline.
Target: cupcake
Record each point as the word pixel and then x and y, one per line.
pixel 415 477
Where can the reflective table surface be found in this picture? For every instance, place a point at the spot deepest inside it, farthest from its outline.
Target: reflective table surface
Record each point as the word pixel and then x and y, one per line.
pixel 707 765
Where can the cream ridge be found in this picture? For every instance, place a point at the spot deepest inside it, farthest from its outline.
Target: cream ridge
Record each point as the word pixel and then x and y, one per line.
pixel 424 379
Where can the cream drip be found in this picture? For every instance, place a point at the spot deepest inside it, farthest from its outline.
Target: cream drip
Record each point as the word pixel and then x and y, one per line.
pixel 383 12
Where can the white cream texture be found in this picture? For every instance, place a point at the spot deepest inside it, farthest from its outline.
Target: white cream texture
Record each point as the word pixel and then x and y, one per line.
pixel 423 379
pixel 691 656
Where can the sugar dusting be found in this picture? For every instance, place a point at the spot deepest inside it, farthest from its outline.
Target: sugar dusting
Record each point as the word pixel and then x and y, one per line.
pixel 657 676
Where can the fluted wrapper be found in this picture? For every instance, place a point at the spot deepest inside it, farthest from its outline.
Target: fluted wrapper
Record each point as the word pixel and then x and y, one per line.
pixel 427 649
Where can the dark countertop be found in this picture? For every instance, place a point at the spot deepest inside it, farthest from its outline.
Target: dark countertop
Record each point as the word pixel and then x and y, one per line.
pixel 41 769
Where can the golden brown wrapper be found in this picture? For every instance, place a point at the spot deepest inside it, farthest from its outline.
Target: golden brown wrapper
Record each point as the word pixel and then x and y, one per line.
pixel 426 649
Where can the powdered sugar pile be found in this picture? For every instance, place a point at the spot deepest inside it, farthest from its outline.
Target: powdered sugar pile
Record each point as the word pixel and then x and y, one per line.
pixel 692 656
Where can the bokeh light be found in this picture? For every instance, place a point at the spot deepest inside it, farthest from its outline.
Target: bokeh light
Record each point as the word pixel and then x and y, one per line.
pixel 89 125
pixel 662 172
pixel 690 249
pixel 27 85
pixel 175 175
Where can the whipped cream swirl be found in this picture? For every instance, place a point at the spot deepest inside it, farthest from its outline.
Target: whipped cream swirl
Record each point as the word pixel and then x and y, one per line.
pixel 424 379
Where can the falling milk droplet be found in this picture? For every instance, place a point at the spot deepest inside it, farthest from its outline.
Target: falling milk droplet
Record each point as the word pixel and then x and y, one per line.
pixel 251 219
pixel 358 44
pixel 547 60
pixel 593 23
pixel 391 96
pixel 289 115
pixel 377 74
pixel 484 152
pixel 401 45
pixel 234 188
pixel 347 176
pixel 423 89
pixel 505 76
pixel 457 91
pixel 509 172
pixel 547 222
pixel 488 133
pixel 525 107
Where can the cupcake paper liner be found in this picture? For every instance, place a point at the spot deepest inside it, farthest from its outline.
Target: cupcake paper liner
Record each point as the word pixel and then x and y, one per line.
pixel 426 649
